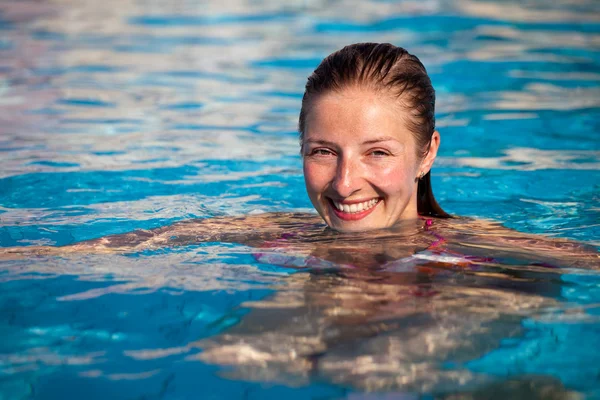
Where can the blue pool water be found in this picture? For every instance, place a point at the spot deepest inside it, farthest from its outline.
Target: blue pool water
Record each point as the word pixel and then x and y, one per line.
pixel 124 115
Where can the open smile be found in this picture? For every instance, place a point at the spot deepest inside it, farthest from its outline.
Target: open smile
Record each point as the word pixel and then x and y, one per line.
pixel 355 210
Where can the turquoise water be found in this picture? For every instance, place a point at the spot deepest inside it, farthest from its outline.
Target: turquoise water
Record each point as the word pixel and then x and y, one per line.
pixel 124 115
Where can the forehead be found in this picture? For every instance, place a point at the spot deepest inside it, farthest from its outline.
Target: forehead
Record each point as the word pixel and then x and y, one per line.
pixel 356 113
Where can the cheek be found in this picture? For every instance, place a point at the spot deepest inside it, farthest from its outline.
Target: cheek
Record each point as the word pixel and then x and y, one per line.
pixel 315 175
pixel 395 178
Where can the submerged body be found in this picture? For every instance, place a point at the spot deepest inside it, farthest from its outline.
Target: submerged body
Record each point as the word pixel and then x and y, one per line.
pixel 417 308
pixel 304 238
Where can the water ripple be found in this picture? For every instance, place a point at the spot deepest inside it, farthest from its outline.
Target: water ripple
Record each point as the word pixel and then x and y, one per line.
pixel 119 115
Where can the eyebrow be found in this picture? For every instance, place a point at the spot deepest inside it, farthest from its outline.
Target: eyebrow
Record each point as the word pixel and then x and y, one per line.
pixel 371 141
pixel 380 139
pixel 317 141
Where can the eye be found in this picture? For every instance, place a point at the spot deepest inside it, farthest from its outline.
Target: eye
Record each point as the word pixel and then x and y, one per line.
pixel 379 153
pixel 321 152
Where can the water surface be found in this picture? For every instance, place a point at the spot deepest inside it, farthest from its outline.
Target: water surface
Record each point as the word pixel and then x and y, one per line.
pixel 124 115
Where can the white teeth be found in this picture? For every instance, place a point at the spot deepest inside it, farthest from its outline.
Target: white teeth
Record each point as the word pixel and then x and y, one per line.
pixel 356 207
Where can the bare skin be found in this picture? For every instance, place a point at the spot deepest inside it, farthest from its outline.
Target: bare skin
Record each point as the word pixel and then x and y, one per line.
pixel 306 235
pixel 361 161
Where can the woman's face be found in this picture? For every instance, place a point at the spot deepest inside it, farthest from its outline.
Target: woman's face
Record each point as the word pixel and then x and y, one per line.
pixel 360 160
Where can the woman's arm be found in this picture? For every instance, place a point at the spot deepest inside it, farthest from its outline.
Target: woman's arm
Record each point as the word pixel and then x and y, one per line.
pixel 487 237
pixel 250 230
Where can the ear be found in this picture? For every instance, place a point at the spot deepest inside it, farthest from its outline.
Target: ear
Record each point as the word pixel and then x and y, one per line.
pixel 429 158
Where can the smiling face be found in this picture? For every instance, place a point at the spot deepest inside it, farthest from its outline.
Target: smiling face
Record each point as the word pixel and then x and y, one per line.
pixel 361 163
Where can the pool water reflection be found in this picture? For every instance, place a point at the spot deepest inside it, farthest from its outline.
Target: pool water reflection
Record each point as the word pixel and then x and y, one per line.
pixel 125 115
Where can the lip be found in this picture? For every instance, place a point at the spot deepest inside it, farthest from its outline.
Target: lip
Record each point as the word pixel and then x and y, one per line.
pixel 352 216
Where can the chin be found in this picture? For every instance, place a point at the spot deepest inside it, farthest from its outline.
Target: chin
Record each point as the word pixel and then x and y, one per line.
pixel 346 227
pixel 353 229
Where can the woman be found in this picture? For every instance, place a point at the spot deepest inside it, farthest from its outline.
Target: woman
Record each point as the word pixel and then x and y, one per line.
pixel 368 142
pixel 396 288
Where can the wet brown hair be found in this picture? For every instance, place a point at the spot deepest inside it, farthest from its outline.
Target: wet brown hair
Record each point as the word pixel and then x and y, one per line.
pixel 388 69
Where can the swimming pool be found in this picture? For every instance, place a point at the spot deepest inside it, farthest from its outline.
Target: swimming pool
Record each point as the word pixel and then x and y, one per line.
pixel 123 115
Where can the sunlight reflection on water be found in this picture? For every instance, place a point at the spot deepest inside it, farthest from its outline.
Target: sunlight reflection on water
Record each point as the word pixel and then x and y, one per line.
pixel 121 115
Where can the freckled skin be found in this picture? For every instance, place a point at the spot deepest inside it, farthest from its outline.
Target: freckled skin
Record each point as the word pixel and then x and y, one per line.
pixel 343 162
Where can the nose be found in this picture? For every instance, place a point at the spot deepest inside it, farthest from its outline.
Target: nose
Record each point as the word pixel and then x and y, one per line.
pixel 347 177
